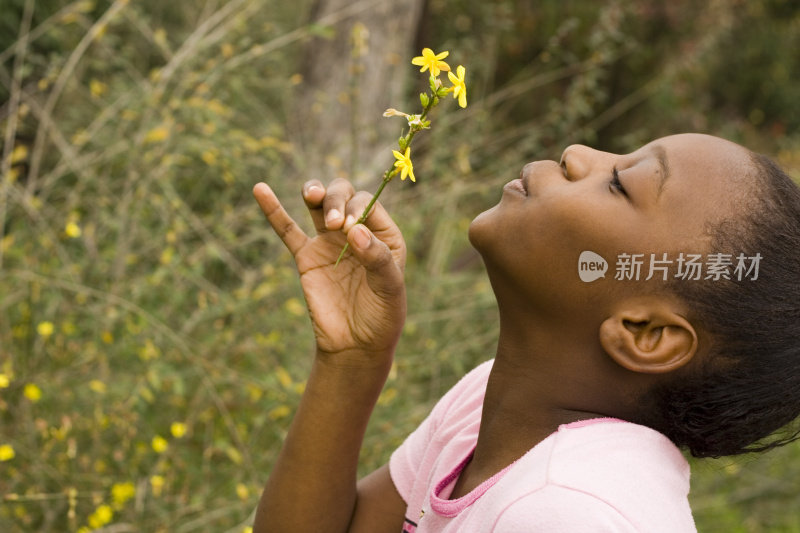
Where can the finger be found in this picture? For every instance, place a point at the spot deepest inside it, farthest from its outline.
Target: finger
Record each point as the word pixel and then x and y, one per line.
pixel 286 228
pixel 380 224
pixel 355 208
pixel 336 197
pixel 384 275
pixel 313 194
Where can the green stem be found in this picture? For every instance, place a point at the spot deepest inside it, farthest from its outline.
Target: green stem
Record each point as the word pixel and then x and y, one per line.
pixel 390 173
pixel 387 177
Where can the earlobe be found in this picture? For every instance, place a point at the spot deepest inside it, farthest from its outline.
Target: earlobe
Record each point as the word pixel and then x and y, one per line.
pixel 648 339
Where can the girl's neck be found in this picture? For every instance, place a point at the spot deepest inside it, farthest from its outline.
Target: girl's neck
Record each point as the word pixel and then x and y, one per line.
pixel 532 390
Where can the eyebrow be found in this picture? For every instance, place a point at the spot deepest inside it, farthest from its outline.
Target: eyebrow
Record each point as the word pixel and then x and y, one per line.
pixel 661 157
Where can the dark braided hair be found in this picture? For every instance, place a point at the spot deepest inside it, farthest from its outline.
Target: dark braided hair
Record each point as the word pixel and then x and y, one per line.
pixel 748 388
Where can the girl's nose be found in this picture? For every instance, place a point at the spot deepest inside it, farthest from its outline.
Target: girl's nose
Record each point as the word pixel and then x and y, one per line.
pixel 579 161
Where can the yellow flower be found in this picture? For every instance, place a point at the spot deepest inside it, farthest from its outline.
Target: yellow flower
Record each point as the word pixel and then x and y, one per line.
pixel 431 60
pixel 45 329
pixel 404 164
pixel 6 452
pixel 157 482
pixel 97 88
pixel 279 412
pixel 32 392
pixel 122 492
pixel 157 134
pixel 178 429
pixel 209 158
pixel 159 444
pixel 5 381
pixel 100 517
pixel 459 89
pixel 72 230
pixel 19 154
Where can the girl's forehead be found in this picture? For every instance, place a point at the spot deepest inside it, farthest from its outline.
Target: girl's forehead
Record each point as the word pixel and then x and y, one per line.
pixel 698 145
pixel 704 163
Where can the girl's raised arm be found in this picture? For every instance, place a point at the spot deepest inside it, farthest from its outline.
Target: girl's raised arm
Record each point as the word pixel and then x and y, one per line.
pixel 357 311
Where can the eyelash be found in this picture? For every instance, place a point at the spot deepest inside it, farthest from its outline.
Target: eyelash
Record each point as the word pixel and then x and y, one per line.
pixel 615 183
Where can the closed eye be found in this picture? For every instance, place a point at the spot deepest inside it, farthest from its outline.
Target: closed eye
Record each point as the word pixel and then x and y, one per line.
pixel 615 183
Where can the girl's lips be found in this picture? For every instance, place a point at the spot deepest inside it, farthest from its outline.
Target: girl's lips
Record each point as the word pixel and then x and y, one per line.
pixel 517 185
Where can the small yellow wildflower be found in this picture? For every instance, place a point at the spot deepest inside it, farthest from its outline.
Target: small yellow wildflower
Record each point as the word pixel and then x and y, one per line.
pixel 45 329
pixel 209 158
pixel 157 483
pixel 159 444
pixel 284 378
pixel 7 452
pixel 242 491
pixel 431 60
pixel 279 412
pixel 97 88
pixel 404 164
pixel 122 492
pixel 32 392
pixel 100 517
pixel 294 306
pixel 247 529
pixel 157 134
pixel 72 230
pixel 19 154
pixel 459 88
pixel 5 381
pixel 178 429
pixel 98 386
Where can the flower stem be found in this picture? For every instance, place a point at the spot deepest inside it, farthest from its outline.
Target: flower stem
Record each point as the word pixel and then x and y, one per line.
pixel 390 173
pixel 387 177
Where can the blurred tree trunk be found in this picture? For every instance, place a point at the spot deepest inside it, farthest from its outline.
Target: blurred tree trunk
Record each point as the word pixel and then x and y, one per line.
pixel 355 68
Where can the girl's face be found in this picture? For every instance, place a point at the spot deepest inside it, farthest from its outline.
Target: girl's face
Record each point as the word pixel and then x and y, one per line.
pixel 663 198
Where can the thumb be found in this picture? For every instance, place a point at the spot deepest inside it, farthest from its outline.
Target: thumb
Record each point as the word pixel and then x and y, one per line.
pixel 384 276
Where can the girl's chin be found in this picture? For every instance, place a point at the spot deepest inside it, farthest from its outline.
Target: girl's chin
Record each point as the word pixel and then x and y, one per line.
pixel 485 232
pixel 479 227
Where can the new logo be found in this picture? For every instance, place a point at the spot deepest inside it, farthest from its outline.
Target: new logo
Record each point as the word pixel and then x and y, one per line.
pixel 591 266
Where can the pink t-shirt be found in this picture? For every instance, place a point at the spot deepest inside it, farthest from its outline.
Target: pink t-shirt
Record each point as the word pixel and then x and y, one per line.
pixel 593 476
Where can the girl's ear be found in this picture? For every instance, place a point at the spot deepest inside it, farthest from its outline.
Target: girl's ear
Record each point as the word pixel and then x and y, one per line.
pixel 648 337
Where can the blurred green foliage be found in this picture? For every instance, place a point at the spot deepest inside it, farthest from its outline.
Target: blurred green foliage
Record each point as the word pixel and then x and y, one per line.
pixel 160 321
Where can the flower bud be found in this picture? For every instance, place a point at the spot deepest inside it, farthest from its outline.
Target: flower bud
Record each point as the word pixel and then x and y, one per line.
pixel 423 99
pixel 392 112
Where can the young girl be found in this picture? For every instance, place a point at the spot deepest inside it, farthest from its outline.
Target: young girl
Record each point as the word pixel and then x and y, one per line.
pixel 690 339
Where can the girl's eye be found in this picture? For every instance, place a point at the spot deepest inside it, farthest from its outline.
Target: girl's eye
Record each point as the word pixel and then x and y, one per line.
pixel 615 183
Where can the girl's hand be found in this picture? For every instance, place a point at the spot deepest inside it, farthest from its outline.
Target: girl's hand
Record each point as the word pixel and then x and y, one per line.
pixel 358 308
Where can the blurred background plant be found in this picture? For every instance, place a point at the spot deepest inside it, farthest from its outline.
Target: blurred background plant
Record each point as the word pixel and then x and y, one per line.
pixel 153 338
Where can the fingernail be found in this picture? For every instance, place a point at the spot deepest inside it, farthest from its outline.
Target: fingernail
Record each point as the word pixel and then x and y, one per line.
pixel 361 237
pixel 349 221
pixel 332 216
pixel 312 188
